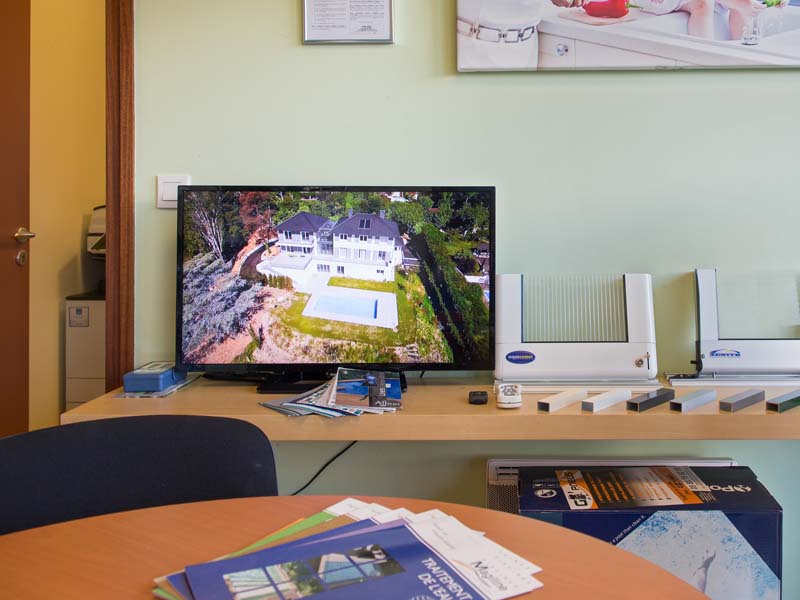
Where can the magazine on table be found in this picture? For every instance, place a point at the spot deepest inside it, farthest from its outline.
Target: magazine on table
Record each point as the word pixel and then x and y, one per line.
pixel 391 560
pixel 355 549
pixel 175 586
pixel 366 389
pixel 351 392
pixel 311 402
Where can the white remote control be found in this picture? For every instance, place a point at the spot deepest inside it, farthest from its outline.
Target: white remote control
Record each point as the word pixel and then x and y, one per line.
pixel 509 395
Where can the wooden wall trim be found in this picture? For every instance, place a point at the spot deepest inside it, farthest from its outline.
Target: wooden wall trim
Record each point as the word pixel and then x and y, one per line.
pixel 119 190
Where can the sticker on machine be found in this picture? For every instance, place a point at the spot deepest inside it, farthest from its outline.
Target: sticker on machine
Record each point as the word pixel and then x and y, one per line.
pixel 78 316
pixel 520 357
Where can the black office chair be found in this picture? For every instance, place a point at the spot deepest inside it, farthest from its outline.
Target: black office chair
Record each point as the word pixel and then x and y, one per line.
pixel 110 465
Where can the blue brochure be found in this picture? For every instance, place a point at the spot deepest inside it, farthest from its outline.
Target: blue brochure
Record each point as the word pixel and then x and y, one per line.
pixel 384 562
pixel 358 382
pixel 181 583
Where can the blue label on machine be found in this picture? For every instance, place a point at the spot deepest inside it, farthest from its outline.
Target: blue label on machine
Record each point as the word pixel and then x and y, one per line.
pixel 520 357
pixel 725 354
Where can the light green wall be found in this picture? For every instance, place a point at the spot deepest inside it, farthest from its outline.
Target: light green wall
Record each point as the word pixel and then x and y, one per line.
pixel 656 172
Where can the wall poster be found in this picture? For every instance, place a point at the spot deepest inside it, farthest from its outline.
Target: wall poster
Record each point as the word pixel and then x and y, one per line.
pixel 528 35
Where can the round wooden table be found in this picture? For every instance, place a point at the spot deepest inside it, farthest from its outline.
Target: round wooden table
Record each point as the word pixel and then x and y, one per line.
pixel 118 556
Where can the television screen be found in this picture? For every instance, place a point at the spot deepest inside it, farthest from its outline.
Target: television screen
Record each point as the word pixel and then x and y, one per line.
pixel 277 279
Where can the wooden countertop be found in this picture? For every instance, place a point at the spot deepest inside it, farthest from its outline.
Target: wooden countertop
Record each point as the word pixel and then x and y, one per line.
pixel 437 409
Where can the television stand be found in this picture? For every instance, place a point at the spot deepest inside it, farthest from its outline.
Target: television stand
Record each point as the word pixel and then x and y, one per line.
pixel 292 383
pixel 287 383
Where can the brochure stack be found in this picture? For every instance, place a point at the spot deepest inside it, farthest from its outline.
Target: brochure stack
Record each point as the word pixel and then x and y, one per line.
pixel 352 392
pixel 355 550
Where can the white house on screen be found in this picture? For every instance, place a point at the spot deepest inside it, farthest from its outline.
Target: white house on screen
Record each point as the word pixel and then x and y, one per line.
pixel 360 245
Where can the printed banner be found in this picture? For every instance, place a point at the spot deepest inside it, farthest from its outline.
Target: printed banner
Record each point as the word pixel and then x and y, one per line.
pixel 628 487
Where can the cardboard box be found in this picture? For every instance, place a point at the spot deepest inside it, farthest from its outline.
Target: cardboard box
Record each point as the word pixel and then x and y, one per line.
pixel 717 528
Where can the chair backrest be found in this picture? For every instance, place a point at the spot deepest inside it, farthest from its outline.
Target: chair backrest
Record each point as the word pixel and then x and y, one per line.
pixel 110 465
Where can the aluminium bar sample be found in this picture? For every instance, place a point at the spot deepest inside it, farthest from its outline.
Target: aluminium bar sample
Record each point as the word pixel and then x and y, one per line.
pixel 650 400
pixel 562 400
pixel 606 400
pixel 689 402
pixel 784 402
pixel 741 400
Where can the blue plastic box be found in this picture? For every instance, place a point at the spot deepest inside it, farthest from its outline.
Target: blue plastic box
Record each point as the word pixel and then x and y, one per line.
pixel 152 377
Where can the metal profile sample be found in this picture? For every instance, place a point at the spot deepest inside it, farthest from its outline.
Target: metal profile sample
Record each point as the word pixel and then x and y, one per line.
pixel 742 400
pixel 784 402
pixel 606 400
pixel 689 402
pixel 650 400
pixel 562 400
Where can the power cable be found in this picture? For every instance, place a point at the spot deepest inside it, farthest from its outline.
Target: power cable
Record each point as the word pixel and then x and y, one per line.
pixel 325 466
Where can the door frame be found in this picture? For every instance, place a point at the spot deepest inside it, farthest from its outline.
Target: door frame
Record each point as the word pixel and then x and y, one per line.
pixel 120 140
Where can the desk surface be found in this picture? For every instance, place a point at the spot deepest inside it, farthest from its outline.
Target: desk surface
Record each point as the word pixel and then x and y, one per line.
pixel 438 410
pixel 117 556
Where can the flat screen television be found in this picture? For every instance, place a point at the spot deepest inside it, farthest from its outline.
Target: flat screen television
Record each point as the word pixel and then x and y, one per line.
pixel 290 281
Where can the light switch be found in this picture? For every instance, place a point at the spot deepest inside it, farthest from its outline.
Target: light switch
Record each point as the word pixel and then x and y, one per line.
pixel 170 191
pixel 167 195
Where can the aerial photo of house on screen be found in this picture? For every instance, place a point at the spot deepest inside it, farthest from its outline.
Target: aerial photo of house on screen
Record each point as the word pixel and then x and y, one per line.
pixel 279 277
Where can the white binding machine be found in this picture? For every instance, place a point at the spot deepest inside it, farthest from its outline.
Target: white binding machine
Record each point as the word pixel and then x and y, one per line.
pixel 592 331
pixel 722 361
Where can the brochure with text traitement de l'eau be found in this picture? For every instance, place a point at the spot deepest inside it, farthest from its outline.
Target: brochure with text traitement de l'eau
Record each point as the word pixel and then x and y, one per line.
pixel 353 562
pixel 494 572
pixel 390 563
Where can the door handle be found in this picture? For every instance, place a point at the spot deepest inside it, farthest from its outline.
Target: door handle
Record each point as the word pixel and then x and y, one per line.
pixel 23 235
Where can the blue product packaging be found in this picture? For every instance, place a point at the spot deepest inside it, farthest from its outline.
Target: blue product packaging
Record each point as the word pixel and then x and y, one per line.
pixel 717 528
pixel 152 377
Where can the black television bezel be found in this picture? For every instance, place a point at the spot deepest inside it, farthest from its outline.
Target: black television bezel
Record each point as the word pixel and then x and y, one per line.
pixel 254 370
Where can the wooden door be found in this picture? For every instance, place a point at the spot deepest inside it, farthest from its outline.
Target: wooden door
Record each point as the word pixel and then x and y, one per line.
pixel 15 41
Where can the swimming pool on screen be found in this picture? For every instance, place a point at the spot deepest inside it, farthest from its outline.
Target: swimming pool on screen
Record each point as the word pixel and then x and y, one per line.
pixel 358 307
pixel 366 308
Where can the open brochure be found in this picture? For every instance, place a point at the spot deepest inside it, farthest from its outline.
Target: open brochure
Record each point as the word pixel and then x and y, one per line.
pixel 357 550
pixel 352 392
pixel 365 389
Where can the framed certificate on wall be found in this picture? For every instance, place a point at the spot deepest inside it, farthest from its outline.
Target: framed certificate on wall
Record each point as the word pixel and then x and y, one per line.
pixel 347 21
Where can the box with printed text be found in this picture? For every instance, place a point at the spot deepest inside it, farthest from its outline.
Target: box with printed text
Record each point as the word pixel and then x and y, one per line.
pixel 718 528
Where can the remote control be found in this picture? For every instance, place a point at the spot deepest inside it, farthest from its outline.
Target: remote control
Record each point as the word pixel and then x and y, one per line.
pixel 477 397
